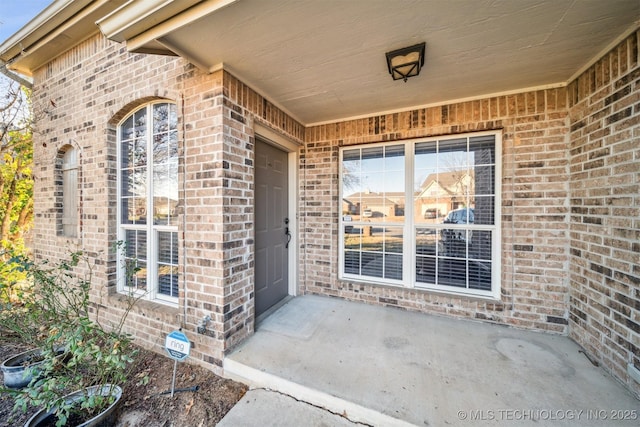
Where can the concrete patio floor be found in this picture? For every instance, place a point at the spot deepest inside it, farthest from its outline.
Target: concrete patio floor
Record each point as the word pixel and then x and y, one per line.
pixel 383 366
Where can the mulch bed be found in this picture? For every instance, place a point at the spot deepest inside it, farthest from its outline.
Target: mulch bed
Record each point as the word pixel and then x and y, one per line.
pixel 146 404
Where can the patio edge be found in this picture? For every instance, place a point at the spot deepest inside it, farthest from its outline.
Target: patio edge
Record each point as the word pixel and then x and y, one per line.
pixel 349 410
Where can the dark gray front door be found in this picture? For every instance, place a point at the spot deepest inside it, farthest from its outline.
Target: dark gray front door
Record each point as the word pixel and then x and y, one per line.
pixel 271 225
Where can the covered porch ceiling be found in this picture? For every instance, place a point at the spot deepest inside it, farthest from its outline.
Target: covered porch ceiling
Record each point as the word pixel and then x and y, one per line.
pixel 324 60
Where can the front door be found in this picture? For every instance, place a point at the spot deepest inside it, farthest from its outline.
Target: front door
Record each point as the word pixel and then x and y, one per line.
pixel 271 226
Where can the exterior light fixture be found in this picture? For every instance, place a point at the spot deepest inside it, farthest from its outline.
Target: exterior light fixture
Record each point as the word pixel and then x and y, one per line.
pixel 406 62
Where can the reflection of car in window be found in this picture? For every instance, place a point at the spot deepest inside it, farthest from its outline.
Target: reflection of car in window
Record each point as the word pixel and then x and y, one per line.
pixel 431 213
pixel 457 216
pixel 460 216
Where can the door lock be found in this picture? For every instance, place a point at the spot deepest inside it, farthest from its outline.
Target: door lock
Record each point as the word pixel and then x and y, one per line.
pixel 287 232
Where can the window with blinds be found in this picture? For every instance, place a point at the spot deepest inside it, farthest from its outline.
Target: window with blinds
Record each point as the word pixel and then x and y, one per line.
pixel 148 200
pixel 422 213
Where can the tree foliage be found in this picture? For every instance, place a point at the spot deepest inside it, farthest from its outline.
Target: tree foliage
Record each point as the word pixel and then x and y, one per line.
pixel 16 180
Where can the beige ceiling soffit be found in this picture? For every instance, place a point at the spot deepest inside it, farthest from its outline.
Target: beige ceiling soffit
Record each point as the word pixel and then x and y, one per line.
pixel 247 82
pixel 78 18
pixel 176 22
pixel 635 27
pixel 445 102
pixel 186 55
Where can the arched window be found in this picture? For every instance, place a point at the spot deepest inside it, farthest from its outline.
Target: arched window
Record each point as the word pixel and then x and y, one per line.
pixel 147 202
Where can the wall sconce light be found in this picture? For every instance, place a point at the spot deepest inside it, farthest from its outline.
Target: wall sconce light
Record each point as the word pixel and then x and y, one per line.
pixel 406 62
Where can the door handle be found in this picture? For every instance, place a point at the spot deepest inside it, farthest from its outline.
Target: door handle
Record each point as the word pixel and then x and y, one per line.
pixel 287 232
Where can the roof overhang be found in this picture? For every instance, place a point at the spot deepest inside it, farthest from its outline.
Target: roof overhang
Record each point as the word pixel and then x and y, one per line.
pixel 322 61
pixel 59 27
pixel 144 25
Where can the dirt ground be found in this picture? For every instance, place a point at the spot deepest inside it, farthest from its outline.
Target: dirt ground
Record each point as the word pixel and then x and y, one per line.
pixel 145 405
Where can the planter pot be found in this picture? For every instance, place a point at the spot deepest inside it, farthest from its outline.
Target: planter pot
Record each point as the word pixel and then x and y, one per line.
pixel 105 418
pixel 18 370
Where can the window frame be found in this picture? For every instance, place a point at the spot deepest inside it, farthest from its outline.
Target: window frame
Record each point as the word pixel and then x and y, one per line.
pixel 69 178
pixel 411 224
pixel 152 230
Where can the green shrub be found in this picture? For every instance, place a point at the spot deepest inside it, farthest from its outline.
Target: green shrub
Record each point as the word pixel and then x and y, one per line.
pixel 58 306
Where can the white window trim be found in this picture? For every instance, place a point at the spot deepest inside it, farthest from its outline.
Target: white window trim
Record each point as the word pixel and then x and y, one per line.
pixel 69 217
pixel 152 230
pixel 409 227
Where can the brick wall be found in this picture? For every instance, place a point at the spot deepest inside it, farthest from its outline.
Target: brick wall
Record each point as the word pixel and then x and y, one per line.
pixel 80 97
pixel 605 210
pixel 242 107
pixel 569 196
pixel 535 213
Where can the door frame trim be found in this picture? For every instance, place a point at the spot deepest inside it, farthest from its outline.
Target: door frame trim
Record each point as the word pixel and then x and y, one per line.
pixel 266 135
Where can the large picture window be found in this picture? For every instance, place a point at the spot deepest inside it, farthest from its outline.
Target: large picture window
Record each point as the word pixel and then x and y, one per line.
pixel 422 214
pixel 148 197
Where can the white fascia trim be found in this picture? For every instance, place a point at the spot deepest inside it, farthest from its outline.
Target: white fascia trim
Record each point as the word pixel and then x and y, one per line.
pixel 115 25
pixel 33 40
pixel 138 16
pixel 40 25
pixel 25 81
pixel 176 21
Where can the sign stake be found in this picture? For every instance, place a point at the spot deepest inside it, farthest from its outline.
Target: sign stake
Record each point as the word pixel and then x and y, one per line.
pixel 173 380
pixel 178 347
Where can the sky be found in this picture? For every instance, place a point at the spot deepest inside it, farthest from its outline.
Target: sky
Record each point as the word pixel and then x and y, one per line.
pixel 14 14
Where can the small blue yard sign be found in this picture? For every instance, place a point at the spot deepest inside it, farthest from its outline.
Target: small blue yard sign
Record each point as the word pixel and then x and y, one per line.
pixel 177 345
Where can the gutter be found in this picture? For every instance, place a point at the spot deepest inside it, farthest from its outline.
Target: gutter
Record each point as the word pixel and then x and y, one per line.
pixel 59 27
pixel 144 25
pixel 14 76
pixel 44 22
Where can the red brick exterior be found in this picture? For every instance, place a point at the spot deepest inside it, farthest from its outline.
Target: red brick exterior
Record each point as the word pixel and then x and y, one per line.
pixel 80 99
pixel 604 269
pixel 570 203
pixel 535 214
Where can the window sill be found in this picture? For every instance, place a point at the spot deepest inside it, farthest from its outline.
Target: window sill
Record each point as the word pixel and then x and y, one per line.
pixel 148 306
pixel 462 295
pixel 430 291
pixel 68 238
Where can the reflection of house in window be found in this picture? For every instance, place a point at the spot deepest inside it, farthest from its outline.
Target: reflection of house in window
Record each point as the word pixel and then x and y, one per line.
pixel 163 209
pixel 348 208
pixel 68 224
pixel 452 176
pixel 375 205
pixel 444 192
